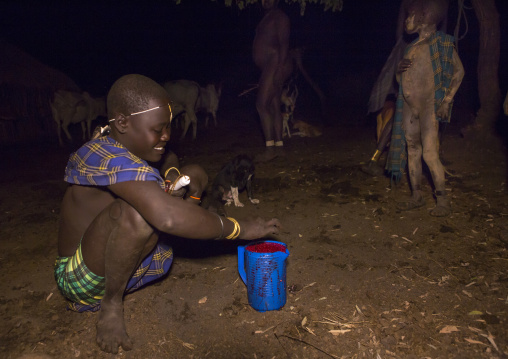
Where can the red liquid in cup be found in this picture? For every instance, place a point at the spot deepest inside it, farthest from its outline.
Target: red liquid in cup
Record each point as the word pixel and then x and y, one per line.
pixel 266 248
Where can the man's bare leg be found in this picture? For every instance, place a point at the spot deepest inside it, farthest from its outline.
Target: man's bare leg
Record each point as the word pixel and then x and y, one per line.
pixel 278 125
pixel 113 247
pixel 276 114
pixel 430 139
pixel 411 126
pixel 264 108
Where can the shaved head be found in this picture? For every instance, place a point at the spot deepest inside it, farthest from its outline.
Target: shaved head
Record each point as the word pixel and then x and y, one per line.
pixel 431 12
pixel 131 93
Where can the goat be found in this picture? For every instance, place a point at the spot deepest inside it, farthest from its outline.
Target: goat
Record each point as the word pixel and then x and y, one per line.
pixel 288 100
pixel 74 107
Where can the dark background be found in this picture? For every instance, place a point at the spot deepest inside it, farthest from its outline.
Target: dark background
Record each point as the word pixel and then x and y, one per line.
pixel 95 43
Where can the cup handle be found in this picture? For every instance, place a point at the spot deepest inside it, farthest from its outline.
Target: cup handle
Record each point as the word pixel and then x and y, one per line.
pixel 241 264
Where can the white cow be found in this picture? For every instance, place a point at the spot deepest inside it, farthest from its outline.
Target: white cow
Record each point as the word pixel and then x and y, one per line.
pixel 184 95
pixel 189 97
pixel 208 102
pixel 74 107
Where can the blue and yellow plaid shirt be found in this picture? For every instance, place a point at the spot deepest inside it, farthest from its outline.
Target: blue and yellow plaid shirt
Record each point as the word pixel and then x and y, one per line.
pixel 104 161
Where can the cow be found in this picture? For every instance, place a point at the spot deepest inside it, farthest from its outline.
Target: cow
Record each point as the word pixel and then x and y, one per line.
pixel 73 107
pixel 184 95
pixel 188 97
pixel 208 102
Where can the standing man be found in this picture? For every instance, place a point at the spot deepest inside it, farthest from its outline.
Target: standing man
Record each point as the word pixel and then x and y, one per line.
pixel 270 52
pixel 429 76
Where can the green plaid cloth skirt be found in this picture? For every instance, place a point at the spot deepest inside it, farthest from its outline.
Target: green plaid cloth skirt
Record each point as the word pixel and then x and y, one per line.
pixel 84 289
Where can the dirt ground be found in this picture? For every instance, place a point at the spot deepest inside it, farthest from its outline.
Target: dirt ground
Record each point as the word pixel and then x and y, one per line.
pixel 364 279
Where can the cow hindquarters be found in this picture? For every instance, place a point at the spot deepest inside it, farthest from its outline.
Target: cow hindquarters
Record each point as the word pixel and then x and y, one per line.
pixel 190 118
pixel 56 118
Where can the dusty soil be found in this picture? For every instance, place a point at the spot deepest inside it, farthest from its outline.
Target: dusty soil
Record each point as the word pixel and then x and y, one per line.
pixel 364 279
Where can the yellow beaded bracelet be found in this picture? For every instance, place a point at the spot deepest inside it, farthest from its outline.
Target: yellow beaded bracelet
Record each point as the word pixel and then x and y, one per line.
pixel 169 169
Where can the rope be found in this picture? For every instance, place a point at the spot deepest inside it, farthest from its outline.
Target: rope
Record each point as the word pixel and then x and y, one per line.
pixel 461 14
pixel 248 90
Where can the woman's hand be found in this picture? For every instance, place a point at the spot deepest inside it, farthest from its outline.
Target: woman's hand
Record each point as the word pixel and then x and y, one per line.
pixel 255 228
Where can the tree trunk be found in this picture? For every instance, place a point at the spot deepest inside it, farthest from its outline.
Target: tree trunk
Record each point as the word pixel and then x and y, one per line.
pixel 488 65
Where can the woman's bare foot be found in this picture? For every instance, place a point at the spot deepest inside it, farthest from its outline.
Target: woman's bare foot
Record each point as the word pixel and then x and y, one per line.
pixel 111 332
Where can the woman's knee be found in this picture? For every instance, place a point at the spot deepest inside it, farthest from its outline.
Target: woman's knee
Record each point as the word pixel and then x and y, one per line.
pixel 195 171
pixel 198 177
pixel 129 218
pixel 170 160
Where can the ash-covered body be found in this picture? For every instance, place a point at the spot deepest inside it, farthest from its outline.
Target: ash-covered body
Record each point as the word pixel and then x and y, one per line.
pixel 422 111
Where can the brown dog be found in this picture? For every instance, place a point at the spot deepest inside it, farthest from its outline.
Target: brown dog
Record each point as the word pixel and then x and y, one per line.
pixel 306 129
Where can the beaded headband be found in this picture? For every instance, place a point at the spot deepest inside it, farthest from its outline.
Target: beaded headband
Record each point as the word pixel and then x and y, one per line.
pixel 150 109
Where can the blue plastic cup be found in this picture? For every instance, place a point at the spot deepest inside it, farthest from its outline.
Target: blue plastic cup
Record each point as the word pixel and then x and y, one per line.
pixel 264 274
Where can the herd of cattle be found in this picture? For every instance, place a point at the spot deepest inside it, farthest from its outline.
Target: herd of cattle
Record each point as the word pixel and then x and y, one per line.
pixel 188 98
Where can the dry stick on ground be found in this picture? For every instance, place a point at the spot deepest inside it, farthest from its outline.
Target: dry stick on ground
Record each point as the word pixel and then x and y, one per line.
pixel 276 337
pixel 184 344
pixel 304 342
pixel 446 270
pixel 398 269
